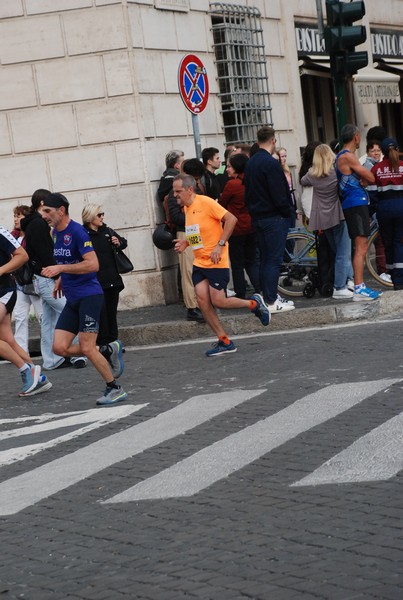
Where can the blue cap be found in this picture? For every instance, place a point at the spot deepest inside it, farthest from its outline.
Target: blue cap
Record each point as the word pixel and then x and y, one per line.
pixel 388 143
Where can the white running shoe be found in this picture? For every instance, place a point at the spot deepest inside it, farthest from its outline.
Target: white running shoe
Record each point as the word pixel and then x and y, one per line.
pixel 350 285
pixel 284 300
pixel 386 277
pixel 342 294
pixel 280 307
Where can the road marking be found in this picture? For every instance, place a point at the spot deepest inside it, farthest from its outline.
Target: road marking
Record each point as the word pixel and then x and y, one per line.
pixel 88 420
pixel 31 487
pixel 222 458
pixel 376 456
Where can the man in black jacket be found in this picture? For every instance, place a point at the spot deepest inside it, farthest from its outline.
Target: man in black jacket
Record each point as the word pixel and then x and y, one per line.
pixel 39 246
pixel 268 198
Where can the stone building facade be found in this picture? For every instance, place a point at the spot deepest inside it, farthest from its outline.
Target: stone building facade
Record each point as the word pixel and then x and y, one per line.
pixel 89 103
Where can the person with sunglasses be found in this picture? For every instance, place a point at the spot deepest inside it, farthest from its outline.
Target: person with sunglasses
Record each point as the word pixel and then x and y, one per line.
pixel 104 240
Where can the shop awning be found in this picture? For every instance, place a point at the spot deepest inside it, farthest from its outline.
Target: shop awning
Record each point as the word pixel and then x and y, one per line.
pixel 373 86
pixel 314 65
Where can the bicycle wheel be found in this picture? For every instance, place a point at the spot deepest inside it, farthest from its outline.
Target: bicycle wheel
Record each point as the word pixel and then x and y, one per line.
pixel 375 258
pixel 299 259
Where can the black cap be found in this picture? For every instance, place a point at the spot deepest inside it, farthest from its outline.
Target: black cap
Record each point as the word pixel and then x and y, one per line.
pixel 56 201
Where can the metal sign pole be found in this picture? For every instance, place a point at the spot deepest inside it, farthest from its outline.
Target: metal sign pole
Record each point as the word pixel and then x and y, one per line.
pixel 196 135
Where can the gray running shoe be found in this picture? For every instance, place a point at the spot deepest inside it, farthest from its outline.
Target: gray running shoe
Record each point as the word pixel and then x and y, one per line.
pixel 112 396
pixel 116 358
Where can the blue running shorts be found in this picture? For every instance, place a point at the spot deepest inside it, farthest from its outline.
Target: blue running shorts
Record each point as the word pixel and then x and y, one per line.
pixel 82 315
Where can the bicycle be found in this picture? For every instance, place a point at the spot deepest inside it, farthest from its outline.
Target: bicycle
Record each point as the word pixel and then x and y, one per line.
pixel 298 275
pixel 299 272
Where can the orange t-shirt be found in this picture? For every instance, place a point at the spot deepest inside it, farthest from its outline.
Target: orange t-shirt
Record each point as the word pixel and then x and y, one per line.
pixel 203 230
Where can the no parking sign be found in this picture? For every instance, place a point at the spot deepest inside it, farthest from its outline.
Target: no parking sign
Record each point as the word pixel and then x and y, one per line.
pixel 193 83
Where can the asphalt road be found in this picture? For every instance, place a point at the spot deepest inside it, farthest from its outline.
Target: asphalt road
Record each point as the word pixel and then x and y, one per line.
pixel 272 473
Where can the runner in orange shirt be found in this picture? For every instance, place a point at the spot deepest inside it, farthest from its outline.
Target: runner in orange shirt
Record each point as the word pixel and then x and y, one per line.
pixel 208 227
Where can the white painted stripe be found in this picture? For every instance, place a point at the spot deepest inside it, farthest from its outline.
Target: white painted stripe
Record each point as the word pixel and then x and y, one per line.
pixel 93 419
pixel 27 489
pixel 376 456
pixel 239 449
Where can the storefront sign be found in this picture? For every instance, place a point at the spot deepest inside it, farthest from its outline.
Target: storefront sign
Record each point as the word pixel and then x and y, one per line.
pixel 308 40
pixel 175 5
pixel 372 92
pixel 387 44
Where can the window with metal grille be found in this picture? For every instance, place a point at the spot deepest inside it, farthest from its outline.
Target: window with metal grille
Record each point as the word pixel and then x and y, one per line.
pixel 242 73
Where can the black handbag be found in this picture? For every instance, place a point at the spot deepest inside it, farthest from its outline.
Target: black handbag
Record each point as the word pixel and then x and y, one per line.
pixel 123 262
pixel 24 274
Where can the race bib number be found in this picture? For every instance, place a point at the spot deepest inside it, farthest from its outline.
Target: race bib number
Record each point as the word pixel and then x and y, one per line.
pixel 193 236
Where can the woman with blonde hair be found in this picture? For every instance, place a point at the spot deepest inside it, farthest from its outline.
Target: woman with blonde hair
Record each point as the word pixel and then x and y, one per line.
pixel 327 215
pixel 105 240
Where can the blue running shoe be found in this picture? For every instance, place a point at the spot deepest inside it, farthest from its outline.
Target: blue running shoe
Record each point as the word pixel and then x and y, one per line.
pixel 30 378
pixel 219 348
pixel 363 294
pixel 112 396
pixel 42 386
pixel 116 358
pixel 262 310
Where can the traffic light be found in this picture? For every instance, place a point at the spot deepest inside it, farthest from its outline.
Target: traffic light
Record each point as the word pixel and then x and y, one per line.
pixel 341 37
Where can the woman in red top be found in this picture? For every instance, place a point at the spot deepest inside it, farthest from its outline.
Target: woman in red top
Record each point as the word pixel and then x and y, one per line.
pixel 242 243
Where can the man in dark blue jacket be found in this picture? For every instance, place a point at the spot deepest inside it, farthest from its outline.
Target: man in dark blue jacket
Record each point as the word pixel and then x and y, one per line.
pixel 268 198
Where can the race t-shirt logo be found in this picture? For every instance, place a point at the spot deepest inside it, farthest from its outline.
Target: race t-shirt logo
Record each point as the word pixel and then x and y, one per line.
pixel 67 239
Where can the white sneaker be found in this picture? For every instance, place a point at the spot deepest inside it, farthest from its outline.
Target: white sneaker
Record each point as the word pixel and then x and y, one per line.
pixel 284 301
pixel 386 277
pixel 342 294
pixel 279 306
pixel 350 285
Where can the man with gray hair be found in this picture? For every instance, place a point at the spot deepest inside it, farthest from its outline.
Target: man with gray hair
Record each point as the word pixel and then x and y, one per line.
pixel 208 227
pixel 173 161
pixel 351 176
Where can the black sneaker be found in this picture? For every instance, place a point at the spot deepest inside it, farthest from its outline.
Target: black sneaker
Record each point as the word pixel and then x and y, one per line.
pixel 65 364
pixel 195 314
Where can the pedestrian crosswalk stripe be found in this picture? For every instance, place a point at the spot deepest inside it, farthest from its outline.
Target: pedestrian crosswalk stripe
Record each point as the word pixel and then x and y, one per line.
pixel 376 456
pixel 35 485
pixel 239 449
pixel 81 421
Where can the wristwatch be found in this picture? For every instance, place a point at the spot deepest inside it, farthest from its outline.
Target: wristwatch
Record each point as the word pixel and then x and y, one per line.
pixel 221 242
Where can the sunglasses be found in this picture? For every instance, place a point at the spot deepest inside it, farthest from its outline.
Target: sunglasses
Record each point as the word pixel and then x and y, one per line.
pixel 99 215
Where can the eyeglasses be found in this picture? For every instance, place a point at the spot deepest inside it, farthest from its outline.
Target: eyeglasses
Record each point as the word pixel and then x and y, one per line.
pixel 99 215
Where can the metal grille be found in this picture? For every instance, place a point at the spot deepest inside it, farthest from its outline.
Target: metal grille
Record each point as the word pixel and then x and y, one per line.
pixel 242 73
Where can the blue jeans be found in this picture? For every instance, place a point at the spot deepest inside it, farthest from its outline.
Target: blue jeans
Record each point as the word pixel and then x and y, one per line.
pixel 52 307
pixel 271 237
pixel 340 243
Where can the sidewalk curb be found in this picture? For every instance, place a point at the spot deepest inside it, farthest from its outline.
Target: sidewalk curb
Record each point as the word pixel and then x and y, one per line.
pixel 242 322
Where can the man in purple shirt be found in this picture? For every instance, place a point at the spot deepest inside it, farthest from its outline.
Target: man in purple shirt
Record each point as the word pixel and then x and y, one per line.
pixel 77 265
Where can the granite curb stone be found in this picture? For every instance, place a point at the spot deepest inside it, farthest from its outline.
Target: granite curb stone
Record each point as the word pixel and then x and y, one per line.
pixel 167 324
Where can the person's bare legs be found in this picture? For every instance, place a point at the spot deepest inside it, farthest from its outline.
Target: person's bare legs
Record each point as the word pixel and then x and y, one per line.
pixel 9 349
pixel 360 250
pixel 86 347
pixel 202 290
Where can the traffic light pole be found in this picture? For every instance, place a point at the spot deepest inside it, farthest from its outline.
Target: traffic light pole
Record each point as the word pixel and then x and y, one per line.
pixel 341 103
